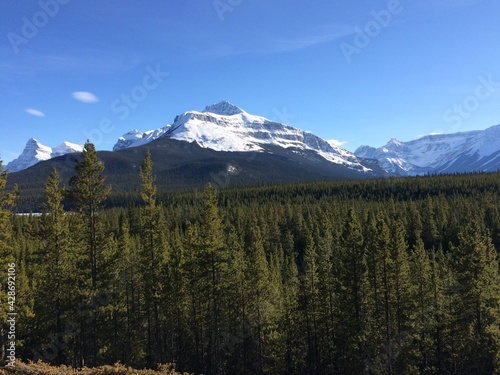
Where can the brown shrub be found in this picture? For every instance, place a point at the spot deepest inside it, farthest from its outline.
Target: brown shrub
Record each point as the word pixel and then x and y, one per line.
pixel 40 368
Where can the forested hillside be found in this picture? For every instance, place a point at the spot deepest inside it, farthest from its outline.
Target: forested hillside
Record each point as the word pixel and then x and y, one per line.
pixel 389 276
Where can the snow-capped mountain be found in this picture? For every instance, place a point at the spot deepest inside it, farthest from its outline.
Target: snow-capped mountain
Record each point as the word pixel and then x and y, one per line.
pixel 226 127
pixel 35 152
pixel 470 151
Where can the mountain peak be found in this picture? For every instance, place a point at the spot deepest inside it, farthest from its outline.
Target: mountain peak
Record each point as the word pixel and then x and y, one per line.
pixel 32 142
pixel 223 108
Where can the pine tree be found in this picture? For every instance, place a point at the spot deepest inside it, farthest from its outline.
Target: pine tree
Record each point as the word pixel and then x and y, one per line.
pixel 257 275
pixel 196 292
pixel 53 273
pixel 89 192
pixel 403 298
pixel 214 257
pixel 425 322
pixel 326 298
pixel 310 297
pixel 352 297
pixel 238 332
pixel 380 323
pixel 295 349
pixel 475 266
pixel 153 258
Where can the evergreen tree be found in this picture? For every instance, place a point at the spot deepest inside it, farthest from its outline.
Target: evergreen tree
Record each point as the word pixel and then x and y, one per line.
pixel 380 326
pixel 475 264
pixel 89 192
pixel 326 298
pixel 295 348
pixel 352 298
pixel 214 258
pixel 238 332
pixel 403 302
pixel 153 258
pixel 425 313
pixel 52 285
pixel 310 300
pixel 257 275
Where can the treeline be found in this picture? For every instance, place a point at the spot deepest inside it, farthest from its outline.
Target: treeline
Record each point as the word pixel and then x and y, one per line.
pixel 375 277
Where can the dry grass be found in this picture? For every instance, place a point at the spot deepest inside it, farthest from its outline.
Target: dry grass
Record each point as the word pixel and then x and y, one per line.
pixel 40 368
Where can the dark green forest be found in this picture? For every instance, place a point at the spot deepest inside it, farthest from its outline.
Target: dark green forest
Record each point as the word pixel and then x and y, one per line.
pixel 387 276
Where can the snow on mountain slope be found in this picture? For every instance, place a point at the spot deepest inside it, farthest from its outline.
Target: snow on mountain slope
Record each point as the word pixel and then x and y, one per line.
pixel 225 127
pixel 66 148
pixel 35 152
pixel 136 138
pixel 477 150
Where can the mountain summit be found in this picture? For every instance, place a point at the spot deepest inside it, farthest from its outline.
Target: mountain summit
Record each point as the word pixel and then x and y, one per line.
pixel 223 108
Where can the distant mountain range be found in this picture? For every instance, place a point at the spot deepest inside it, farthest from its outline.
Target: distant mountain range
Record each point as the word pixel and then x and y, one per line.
pixel 470 151
pixel 228 129
pixel 221 127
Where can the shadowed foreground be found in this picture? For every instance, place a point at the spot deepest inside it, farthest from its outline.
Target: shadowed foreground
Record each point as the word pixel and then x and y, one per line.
pixel 118 369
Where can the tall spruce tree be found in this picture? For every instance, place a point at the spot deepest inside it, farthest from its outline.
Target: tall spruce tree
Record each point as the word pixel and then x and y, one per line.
pixel 54 254
pixel 425 322
pixel 310 300
pixel 213 257
pixel 352 297
pixel 402 302
pixel 153 257
pixel 477 315
pixel 257 274
pixel 89 191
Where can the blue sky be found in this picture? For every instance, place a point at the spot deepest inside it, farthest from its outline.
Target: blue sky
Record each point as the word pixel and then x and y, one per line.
pixel 359 72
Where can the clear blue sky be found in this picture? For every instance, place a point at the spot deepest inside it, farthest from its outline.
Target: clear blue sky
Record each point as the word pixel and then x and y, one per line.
pixel 359 72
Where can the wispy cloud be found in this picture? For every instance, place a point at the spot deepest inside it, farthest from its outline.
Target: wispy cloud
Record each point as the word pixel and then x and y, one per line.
pixel 320 35
pixel 34 112
pixel 32 63
pixel 85 97
pixel 436 132
pixel 449 3
pixel 336 143
pixel 266 45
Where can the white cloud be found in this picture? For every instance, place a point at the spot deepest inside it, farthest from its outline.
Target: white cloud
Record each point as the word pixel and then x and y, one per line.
pixel 335 143
pixel 85 97
pixel 431 133
pixel 34 112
